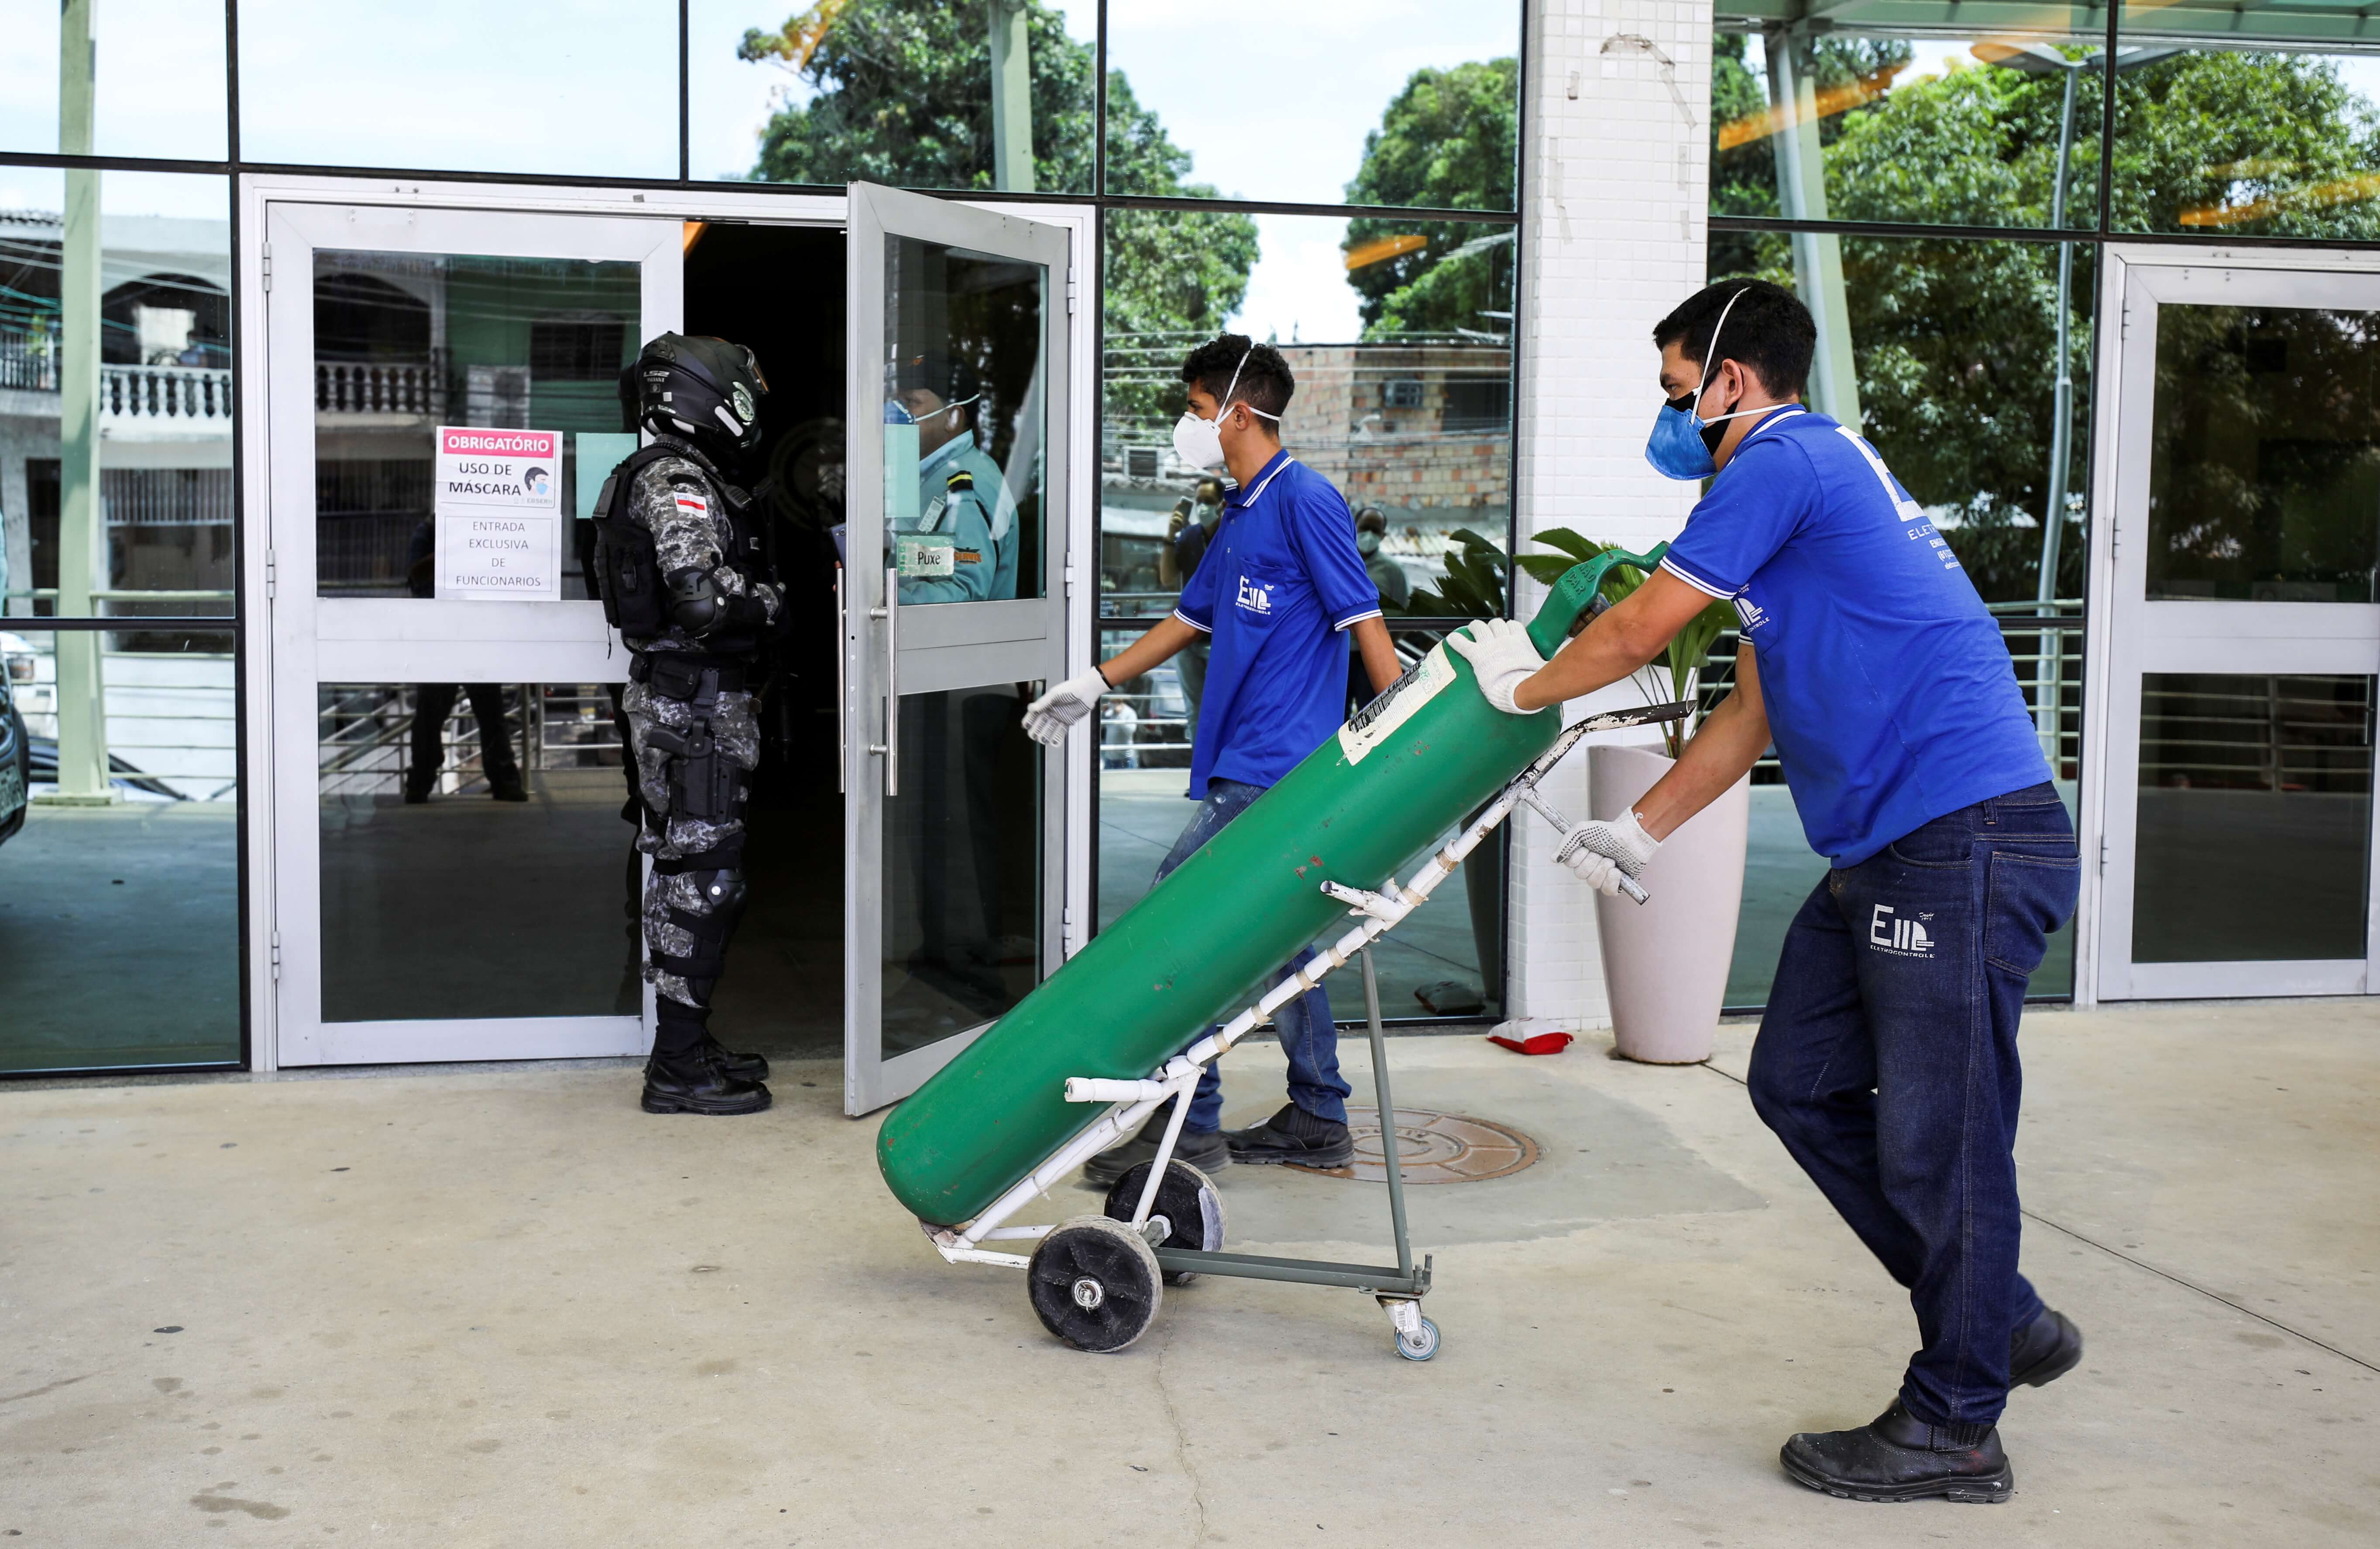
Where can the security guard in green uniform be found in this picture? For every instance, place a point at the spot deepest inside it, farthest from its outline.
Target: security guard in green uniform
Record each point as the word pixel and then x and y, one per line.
pixel 961 547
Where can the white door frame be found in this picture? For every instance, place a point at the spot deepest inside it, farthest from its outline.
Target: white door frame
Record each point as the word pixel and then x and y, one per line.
pixel 256 191
pixel 2120 429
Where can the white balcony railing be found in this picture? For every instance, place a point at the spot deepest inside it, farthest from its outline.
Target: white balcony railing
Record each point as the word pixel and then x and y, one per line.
pixel 365 387
pixel 190 394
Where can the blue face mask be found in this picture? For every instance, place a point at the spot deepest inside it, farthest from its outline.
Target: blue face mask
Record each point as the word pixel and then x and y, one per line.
pixel 1683 445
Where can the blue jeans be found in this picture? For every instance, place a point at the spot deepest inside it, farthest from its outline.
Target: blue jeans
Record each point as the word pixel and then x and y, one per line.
pixel 1887 1063
pixel 1308 1035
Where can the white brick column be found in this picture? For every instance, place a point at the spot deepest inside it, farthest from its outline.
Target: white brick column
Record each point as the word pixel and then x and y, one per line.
pixel 1616 175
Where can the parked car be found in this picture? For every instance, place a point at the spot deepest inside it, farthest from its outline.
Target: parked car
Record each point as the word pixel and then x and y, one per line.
pixel 16 764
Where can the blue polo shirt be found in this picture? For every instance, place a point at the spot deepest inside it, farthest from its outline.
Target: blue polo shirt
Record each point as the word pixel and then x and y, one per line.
pixel 1279 586
pixel 1891 696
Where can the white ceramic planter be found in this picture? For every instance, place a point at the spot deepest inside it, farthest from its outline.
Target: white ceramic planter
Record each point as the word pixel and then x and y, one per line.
pixel 1665 962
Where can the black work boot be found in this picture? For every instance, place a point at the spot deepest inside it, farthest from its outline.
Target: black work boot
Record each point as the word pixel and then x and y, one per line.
pixel 506 785
pixel 1294 1136
pixel 2044 1351
pixel 1202 1149
pixel 418 786
pixel 692 1081
pixel 744 1067
pixel 1898 1456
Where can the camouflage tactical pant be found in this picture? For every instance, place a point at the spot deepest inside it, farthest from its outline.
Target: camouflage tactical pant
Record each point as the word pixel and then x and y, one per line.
pixel 694 762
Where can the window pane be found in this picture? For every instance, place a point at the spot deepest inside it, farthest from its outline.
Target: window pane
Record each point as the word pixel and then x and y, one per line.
pixel 964 423
pixel 405 343
pixel 1399 335
pixel 119 882
pixel 961 873
pixel 124 505
pixel 157 80
pixel 543 86
pixel 2265 458
pixel 473 861
pixel 1398 101
pixel 2266 783
pixel 2222 133
pixel 1989 129
pixel 967 96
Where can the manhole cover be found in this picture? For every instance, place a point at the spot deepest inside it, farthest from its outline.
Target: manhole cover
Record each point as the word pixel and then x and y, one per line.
pixel 1434 1148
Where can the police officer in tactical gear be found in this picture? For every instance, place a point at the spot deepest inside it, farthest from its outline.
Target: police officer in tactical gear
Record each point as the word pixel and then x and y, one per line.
pixel 684 574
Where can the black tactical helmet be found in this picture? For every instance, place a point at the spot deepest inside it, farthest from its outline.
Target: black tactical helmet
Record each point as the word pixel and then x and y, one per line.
pixel 704 389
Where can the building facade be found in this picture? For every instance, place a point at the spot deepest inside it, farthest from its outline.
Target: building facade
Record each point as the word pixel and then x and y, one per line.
pixel 2100 286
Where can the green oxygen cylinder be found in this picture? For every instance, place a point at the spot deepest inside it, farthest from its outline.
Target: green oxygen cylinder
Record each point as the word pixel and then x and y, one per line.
pixel 1201 943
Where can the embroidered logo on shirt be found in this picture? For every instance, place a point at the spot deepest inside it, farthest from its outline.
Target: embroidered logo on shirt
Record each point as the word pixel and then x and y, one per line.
pixel 1254 596
pixel 1897 934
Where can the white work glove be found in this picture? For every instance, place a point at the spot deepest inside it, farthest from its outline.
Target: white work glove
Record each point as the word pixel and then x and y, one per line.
pixel 1501 656
pixel 1601 853
pixel 1049 718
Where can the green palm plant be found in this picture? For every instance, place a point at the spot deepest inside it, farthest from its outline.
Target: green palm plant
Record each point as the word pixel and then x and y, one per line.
pixel 1688 650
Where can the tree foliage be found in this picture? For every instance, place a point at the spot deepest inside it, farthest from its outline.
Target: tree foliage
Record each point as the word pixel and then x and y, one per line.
pixel 1446 142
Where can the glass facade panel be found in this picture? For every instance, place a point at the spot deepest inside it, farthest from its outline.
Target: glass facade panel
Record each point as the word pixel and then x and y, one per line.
pixel 961 876
pixel 2266 783
pixel 1997 128
pixel 986 97
pixel 2264 458
pixel 119 851
pixel 473 859
pixel 1399 101
pixel 2252 123
pixel 407 342
pixel 583 87
pixel 116 490
pixel 965 423
pixel 156 85
pixel 1399 334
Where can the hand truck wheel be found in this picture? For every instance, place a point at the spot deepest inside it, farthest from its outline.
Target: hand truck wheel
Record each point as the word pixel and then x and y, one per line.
pixel 1421 1346
pixel 1192 1205
pixel 1094 1284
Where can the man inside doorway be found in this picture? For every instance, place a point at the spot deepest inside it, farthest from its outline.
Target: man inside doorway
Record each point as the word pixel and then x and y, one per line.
pixel 961 547
pixel 1886 1059
pixel 1279 587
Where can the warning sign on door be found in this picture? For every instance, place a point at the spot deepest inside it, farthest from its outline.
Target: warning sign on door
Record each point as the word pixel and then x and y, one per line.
pixel 499 511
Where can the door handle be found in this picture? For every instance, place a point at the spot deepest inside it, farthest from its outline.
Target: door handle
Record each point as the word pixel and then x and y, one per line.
pixel 890 747
pixel 842 691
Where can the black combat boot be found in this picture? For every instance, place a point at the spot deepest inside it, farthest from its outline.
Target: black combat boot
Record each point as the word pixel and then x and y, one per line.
pixel 1898 1456
pixel 1293 1136
pixel 744 1067
pixel 1202 1149
pixel 693 1082
pixel 2044 1351
pixel 504 784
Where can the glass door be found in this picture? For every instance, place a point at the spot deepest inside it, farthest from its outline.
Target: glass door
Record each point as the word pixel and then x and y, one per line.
pixel 2245 635
pixel 452 876
pixel 953 601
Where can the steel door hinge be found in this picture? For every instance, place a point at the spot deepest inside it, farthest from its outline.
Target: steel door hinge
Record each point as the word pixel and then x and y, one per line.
pixel 2124 325
pixel 1074 289
pixel 2103 858
pixel 276 956
pixel 1072 572
pixel 264 255
pixel 272 577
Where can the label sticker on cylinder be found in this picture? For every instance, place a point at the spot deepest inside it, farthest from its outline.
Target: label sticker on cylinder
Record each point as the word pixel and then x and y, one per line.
pixel 1377 721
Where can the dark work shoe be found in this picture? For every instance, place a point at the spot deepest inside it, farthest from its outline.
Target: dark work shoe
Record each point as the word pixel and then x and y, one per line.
pixel 1202 1149
pixel 1293 1136
pixel 693 1082
pixel 1898 1456
pixel 506 785
pixel 418 791
pixel 2044 1351
pixel 744 1067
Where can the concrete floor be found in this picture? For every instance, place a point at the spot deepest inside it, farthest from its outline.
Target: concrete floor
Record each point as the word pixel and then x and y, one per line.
pixel 503 1307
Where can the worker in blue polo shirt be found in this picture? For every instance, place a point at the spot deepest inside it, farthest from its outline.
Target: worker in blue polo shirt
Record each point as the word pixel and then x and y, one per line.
pixel 1279 590
pixel 1887 1060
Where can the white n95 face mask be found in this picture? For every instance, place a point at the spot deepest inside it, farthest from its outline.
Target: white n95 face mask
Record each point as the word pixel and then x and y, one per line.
pixel 1199 442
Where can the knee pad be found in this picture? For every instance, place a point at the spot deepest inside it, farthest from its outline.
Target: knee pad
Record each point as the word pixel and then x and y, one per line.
pixel 722 893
